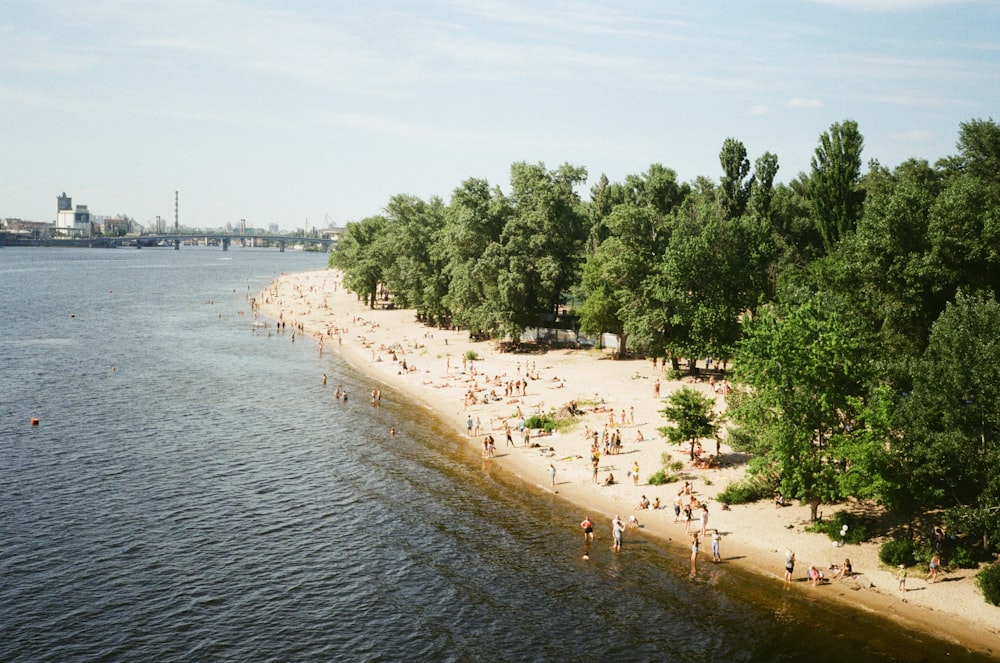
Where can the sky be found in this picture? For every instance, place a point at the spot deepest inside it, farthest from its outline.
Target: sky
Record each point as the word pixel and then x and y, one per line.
pixel 310 113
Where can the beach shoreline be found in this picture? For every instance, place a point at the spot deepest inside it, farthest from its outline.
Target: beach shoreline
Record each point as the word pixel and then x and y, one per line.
pixel 410 361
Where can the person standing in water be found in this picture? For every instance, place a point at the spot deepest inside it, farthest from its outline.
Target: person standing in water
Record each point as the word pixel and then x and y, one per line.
pixel 588 529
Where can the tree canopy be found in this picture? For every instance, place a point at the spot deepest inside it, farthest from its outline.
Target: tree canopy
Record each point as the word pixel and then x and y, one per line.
pixel 859 309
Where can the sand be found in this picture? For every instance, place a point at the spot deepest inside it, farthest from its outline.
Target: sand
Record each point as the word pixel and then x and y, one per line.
pixel 757 534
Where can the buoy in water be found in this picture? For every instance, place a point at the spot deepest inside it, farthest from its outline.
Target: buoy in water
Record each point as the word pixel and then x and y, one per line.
pixel 34 421
pixel 72 315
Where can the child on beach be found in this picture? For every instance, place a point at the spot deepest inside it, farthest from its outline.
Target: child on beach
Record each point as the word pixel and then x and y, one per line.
pixel 901 576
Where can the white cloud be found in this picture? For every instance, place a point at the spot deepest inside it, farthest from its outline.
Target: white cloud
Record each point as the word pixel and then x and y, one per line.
pixel 757 109
pixel 800 102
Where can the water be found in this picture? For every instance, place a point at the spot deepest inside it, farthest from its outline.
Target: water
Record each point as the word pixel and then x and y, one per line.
pixel 193 493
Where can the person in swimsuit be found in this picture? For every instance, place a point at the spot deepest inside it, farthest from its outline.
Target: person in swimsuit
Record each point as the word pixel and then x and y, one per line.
pixel 588 529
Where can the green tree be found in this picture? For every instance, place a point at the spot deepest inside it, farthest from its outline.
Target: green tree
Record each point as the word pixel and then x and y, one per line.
pixel 542 245
pixel 801 373
pixel 736 182
pixel 693 416
pixel 950 452
pixel 474 221
pixel 362 254
pixel 834 190
pixel 414 273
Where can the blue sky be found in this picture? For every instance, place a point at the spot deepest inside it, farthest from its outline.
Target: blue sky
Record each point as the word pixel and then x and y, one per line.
pixel 283 112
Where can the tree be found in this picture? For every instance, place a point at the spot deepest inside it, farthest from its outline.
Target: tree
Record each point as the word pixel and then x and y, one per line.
pixel 950 451
pixel 467 244
pixel 362 254
pixel 414 272
pixel 801 375
pixel 614 273
pixel 693 416
pixel 833 188
pixel 542 244
pixel 734 187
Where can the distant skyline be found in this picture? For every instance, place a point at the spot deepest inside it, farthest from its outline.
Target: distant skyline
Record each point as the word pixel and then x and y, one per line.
pixel 279 112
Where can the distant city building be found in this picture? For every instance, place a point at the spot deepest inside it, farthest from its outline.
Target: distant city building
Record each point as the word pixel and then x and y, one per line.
pixel 273 228
pixel 27 229
pixel 69 221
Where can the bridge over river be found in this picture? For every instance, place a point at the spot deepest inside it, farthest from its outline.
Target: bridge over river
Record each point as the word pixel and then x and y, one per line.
pixel 177 240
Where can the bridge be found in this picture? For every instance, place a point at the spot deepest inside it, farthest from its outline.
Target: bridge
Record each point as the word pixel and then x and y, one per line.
pixel 168 239
pixel 224 241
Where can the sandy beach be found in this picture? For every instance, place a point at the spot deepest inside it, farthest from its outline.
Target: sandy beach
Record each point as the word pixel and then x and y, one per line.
pixel 381 342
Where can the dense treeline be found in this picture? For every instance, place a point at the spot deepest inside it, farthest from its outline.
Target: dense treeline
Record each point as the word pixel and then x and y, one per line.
pixel 860 310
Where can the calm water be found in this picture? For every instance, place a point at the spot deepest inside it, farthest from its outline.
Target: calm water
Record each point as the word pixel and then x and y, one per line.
pixel 193 493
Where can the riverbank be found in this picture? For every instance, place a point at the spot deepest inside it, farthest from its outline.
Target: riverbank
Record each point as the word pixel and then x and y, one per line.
pixel 408 361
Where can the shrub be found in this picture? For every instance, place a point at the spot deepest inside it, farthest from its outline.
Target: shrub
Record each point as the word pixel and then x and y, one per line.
pixel 898 552
pixel 961 558
pixel 744 491
pixel 471 355
pixel 663 477
pixel 857 527
pixel 675 466
pixel 546 422
pixel 988 581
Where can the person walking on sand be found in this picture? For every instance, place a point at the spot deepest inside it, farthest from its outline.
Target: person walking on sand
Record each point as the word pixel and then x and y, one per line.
pixel 789 567
pixel 716 540
pixel 694 554
pixel 935 565
pixel 901 577
pixel 552 472
pixel 635 473
pixel 588 530
pixel 617 532
pixel 677 507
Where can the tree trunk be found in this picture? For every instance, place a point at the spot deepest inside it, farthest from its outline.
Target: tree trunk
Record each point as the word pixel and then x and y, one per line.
pixel 692 450
pixel 622 339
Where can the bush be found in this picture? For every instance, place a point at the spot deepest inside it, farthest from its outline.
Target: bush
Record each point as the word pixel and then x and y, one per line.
pixel 988 581
pixel 675 466
pixel 471 355
pixel 857 527
pixel 661 478
pixel 546 423
pixel 744 491
pixel 961 558
pixel 898 552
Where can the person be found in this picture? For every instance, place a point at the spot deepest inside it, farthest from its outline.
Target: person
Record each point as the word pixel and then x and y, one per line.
pixel 595 461
pixel 704 518
pixel 588 529
pixel 639 437
pixel 677 507
pixel 779 501
pixel 633 522
pixel 687 518
pixel 468 426
pixel 934 566
pixel 635 472
pixel 901 577
pixel 845 570
pixel 716 540
pixel 586 555
pixel 694 554
pixel 643 504
pixel 617 532
pixel 656 504
pixel 815 576
pixel 610 481
pixel 552 472
pixel 789 567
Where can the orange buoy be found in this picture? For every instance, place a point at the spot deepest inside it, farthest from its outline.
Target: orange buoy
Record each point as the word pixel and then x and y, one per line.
pixel 34 421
